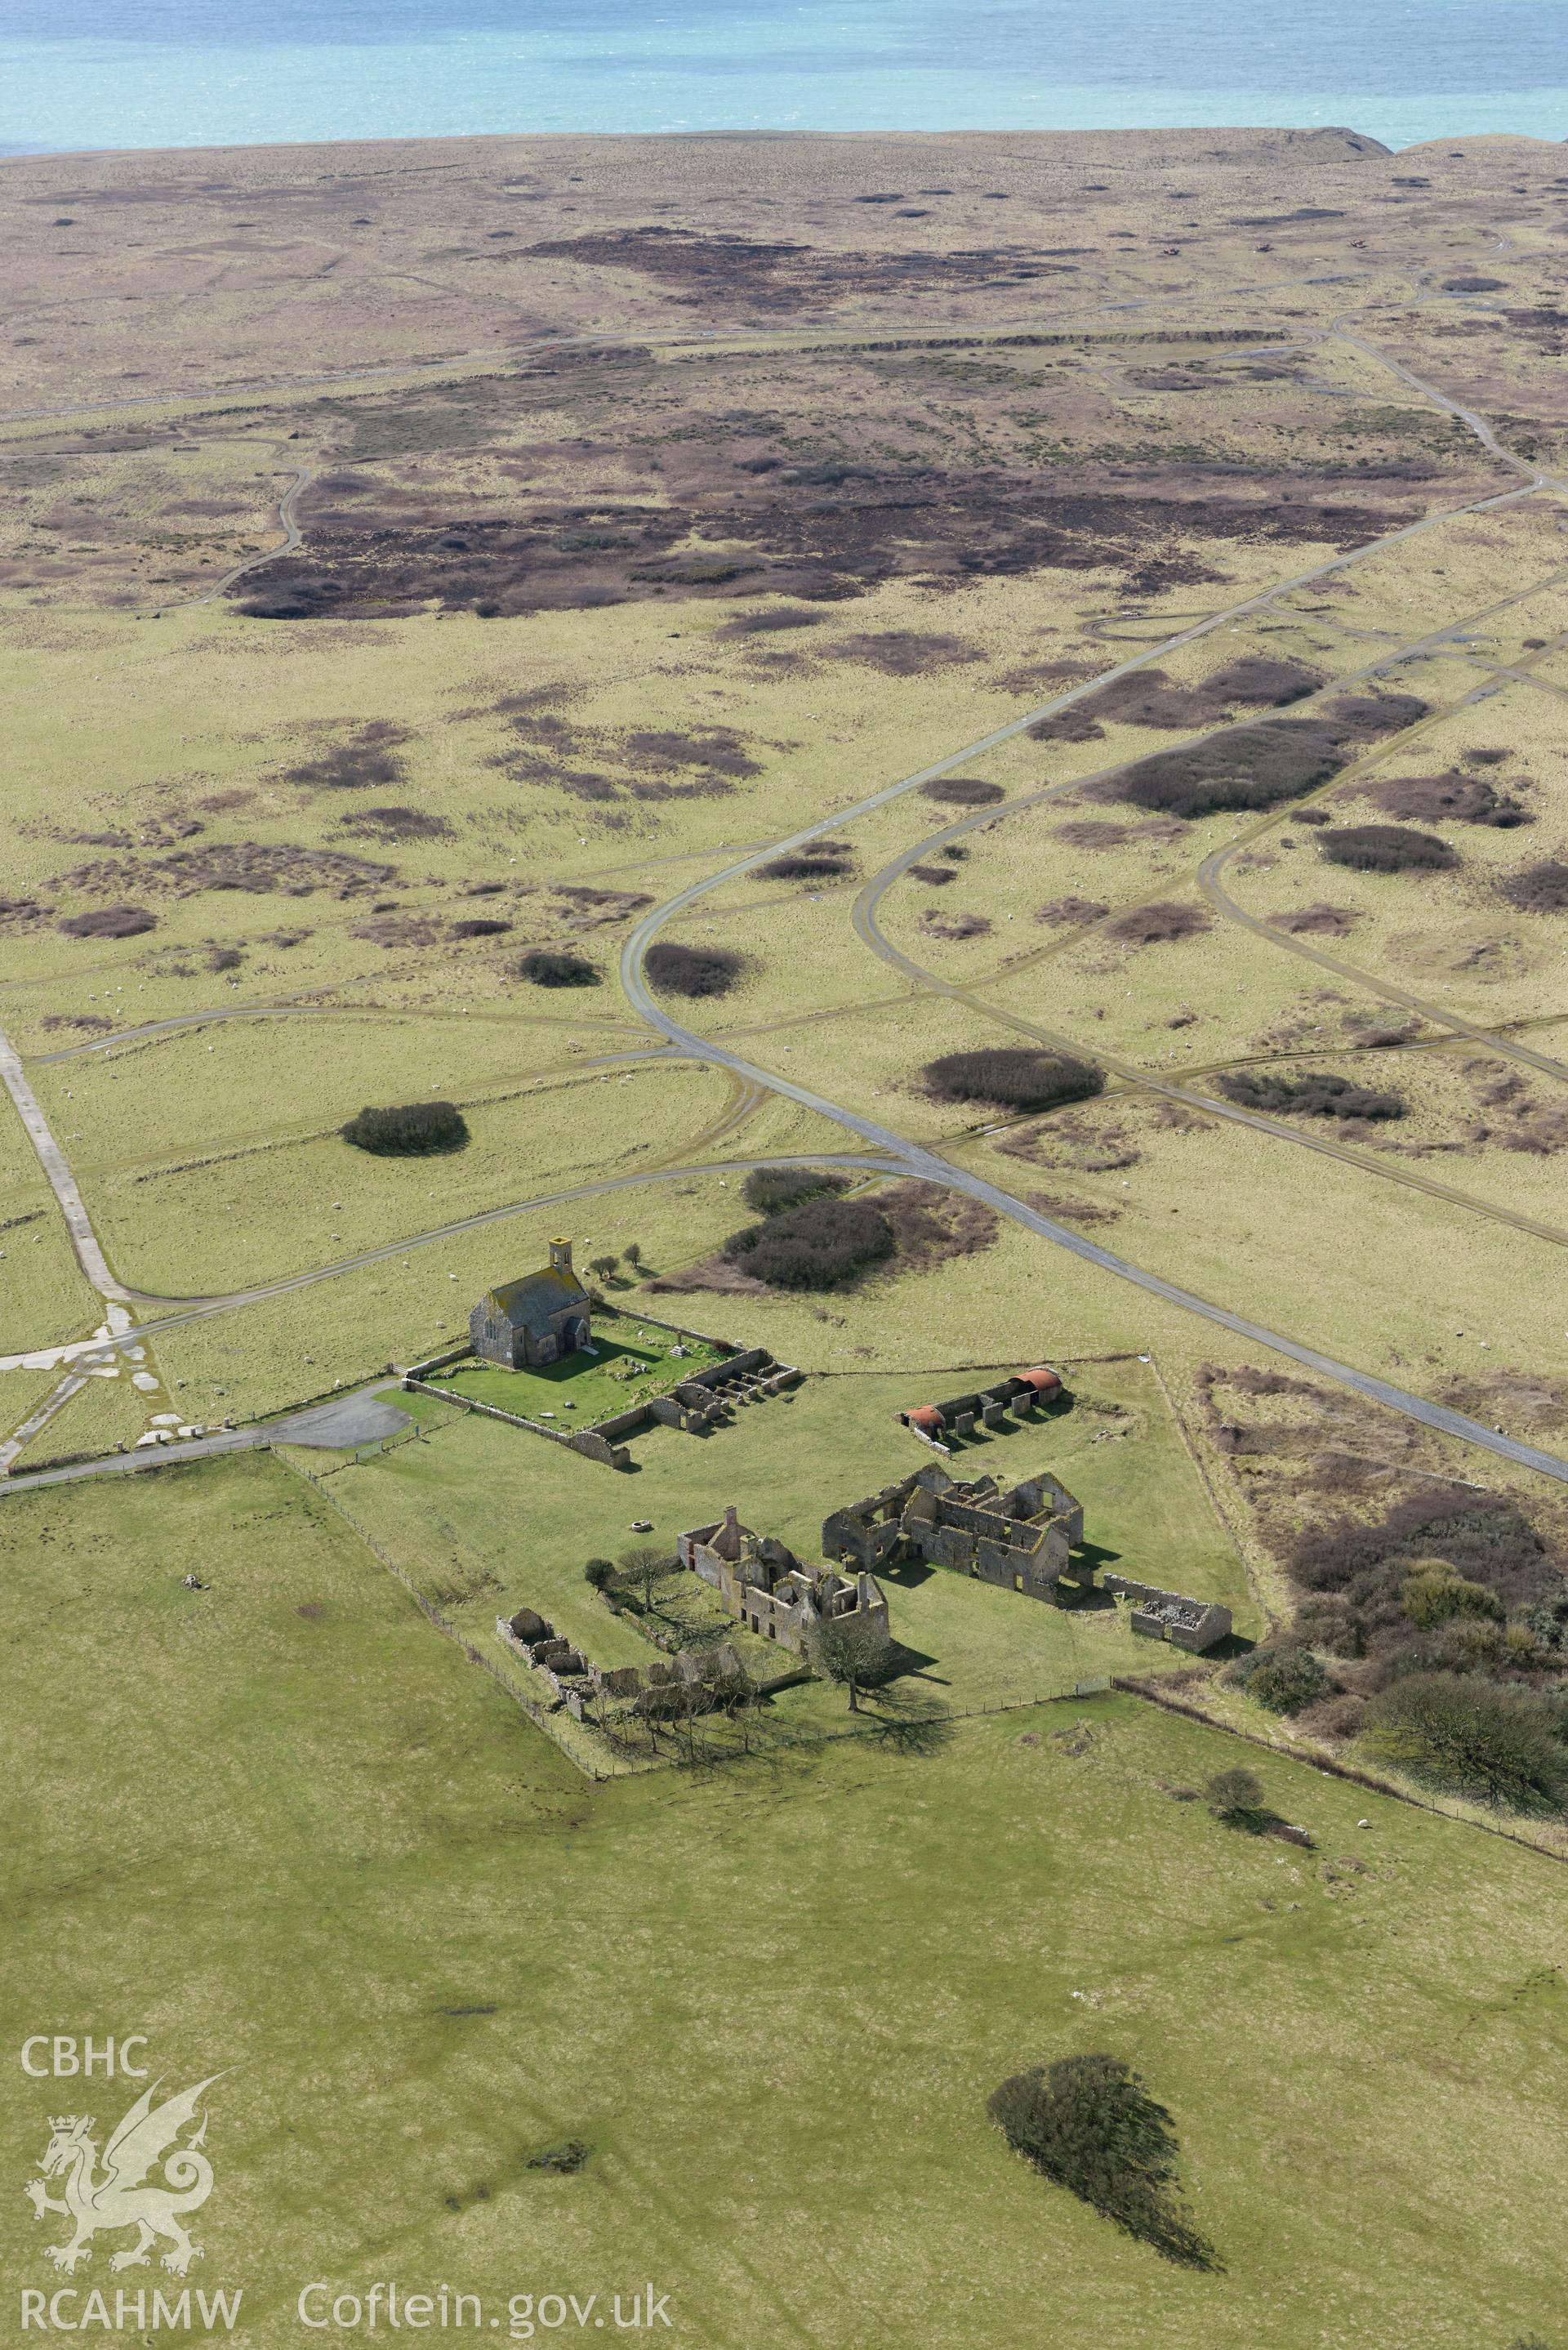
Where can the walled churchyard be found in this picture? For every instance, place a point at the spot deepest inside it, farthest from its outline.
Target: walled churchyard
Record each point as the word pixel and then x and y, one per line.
pixel 549 1354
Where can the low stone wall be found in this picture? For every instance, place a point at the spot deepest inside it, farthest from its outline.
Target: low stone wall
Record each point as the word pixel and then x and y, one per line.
pixel 587 1441
pixel 438 1362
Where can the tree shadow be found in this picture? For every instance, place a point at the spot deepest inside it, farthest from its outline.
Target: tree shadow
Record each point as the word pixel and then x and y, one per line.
pixel 1095 1555
pixel 900 1661
pixel 910 1721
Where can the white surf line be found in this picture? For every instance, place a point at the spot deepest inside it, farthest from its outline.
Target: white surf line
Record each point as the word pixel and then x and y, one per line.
pixel 62 1182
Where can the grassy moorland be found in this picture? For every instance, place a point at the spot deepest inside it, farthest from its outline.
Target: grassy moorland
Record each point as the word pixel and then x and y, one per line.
pixel 372 1873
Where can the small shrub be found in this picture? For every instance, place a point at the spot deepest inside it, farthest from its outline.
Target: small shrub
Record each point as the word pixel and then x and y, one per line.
pixel 1089 2124
pixel 557 967
pixel 1363 717
pixel 1386 848
pixel 1539 888
pixel 352 766
pixel 1473 1736
pixel 1434 1594
pixel 1236 1795
pixel 1071 910
pixel 1338 1717
pixel 769 1188
pixel 760 624
pixel 963 791
pixel 566 2161
pixel 599 1573
pixel 1547 1621
pixel 1284 1680
pixel 480 926
pixel 693 970
pixel 1312 1095
pixel 407 1129
pixel 1262 680
pixel 1009 1077
pixel 1076 723
pixel 819 1244
pixel 1451 798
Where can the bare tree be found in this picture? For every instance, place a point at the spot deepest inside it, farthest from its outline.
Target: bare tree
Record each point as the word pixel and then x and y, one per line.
pixel 645 1567
pixel 837 1651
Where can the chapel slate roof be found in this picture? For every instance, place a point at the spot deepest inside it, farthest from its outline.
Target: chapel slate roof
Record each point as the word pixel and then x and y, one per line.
pixel 531 1303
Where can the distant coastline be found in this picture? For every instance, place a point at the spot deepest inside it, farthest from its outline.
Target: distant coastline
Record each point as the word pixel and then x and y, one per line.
pixel 87 75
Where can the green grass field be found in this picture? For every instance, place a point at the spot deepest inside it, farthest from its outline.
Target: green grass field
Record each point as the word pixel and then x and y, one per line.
pixel 292 1833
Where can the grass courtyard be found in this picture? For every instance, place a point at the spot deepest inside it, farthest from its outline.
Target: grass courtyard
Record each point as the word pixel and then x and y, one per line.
pixel 633 1360
pixel 428 1951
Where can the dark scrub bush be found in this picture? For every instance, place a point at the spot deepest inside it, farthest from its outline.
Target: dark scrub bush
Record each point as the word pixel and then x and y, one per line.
pixel 1473 1736
pixel 1312 1095
pixel 557 967
pixel 1012 1079
pixel 1284 1680
pixel 1386 848
pixel 406 1129
pixel 1089 2124
pixel 819 1244
pixel 692 970
pixel 769 1188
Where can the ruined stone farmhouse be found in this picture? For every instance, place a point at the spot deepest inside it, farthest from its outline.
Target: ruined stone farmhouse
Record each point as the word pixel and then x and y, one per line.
pixel 766 1588
pixel 1021 1538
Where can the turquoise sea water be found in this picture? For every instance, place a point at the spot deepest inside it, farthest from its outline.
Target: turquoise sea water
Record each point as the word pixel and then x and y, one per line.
pixel 175 73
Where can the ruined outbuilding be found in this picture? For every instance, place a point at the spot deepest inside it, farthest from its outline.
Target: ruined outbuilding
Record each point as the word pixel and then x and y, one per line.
pixel 1196 1625
pixel 1012 1396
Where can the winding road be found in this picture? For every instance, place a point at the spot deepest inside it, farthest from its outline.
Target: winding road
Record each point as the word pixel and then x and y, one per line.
pixel 886 1151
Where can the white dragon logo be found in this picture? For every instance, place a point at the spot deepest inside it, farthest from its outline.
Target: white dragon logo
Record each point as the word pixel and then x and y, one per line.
pixel 118 2198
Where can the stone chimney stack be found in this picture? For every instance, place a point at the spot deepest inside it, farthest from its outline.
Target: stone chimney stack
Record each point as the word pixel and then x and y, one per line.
pixel 561 1256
